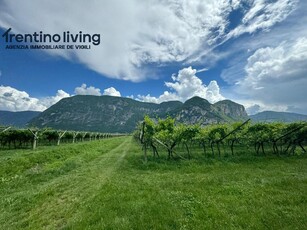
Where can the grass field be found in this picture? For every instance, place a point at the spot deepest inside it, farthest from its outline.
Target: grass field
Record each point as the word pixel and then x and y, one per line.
pixel 105 185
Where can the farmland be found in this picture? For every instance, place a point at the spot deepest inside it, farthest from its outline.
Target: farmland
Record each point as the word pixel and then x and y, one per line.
pixel 105 184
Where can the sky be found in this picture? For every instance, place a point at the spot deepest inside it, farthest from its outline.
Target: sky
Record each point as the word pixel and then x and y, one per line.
pixel 253 52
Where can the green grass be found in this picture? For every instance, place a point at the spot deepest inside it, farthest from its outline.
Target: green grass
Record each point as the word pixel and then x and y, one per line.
pixel 105 185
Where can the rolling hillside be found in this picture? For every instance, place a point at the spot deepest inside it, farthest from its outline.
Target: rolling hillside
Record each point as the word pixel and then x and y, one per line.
pixel 17 119
pixel 271 116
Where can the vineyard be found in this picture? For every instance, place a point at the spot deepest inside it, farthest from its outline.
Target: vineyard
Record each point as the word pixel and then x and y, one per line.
pixel 218 139
pixel 31 138
pixel 105 184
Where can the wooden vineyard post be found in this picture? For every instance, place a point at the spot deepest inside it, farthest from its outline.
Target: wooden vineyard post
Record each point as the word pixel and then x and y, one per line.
pixel 142 134
pixel 5 129
pixel 233 131
pixel 275 148
pixel 60 135
pixel 145 153
pixel 35 138
pixel 83 136
pixel 74 136
pixel 169 149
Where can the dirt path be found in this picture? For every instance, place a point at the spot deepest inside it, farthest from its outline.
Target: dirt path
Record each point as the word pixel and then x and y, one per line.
pixel 76 189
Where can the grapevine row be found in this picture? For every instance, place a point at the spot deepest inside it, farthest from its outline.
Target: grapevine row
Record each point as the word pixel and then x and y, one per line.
pixel 281 138
pixel 25 138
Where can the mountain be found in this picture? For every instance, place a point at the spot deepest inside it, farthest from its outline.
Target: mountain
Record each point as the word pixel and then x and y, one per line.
pixel 199 110
pixel 117 114
pixel 17 119
pixel 271 116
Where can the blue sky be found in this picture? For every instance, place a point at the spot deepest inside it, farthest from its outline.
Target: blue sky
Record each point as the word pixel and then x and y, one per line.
pixel 252 52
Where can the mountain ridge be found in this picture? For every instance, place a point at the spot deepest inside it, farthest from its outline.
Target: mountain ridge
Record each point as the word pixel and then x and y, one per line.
pixel 17 119
pixel 273 116
pixel 118 114
pixel 194 110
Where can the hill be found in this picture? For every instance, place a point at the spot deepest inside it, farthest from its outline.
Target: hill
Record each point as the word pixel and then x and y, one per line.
pixel 271 116
pixel 17 119
pixel 117 114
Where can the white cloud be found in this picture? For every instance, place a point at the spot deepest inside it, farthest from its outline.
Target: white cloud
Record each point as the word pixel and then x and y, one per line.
pixel 202 70
pixel 253 109
pixel 262 15
pixel 235 71
pixel 277 76
pixel 12 99
pixel 131 97
pixel 292 28
pixel 254 106
pixel 166 96
pixel 135 32
pixel 49 101
pixel 91 90
pixel 83 90
pixel 186 85
pixel 111 92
